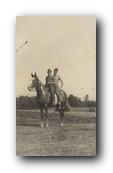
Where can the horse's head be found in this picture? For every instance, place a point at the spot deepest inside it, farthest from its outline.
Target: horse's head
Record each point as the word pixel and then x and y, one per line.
pixel 35 83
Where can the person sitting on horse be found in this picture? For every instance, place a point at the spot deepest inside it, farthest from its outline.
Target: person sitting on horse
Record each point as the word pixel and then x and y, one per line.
pixel 57 89
pixel 50 86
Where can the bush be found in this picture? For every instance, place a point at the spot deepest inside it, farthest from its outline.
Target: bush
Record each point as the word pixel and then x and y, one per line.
pixel 67 107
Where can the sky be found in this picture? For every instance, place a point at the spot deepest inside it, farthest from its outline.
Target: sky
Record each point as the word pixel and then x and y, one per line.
pixel 64 42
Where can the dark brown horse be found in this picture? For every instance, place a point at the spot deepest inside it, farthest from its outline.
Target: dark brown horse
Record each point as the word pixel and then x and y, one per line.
pixel 43 99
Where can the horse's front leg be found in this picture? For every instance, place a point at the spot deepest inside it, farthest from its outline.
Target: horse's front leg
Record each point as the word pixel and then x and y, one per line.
pixel 46 115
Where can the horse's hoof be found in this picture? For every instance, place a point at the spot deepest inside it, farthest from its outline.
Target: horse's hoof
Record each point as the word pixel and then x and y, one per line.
pixel 62 124
pixel 42 125
pixel 47 125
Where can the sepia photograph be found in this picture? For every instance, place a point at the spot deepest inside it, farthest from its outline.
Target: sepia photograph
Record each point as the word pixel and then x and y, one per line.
pixel 56 85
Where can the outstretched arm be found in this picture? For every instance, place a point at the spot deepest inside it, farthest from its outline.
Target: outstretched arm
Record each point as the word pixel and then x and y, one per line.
pixel 41 83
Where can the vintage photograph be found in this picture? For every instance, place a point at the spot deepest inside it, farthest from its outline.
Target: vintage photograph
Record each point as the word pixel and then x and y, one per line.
pixel 55 85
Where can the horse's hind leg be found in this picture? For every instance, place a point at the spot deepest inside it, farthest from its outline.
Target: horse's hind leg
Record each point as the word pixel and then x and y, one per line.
pixel 42 117
pixel 62 118
pixel 46 116
pixel 62 115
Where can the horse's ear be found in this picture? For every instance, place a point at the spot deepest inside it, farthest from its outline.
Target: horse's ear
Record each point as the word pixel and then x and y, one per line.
pixel 31 74
pixel 35 74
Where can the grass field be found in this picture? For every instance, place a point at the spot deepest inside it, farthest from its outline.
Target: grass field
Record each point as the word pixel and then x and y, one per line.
pixel 76 138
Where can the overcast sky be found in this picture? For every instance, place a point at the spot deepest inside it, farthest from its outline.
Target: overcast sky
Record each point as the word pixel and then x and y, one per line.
pixel 65 42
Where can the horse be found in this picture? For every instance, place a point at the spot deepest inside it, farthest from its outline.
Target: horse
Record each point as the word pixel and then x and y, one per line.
pixel 43 99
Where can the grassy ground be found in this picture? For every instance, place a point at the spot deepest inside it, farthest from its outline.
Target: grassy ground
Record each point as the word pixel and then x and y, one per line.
pixel 76 138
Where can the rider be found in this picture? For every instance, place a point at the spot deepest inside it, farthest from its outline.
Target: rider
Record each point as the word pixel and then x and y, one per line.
pixel 56 85
pixel 50 86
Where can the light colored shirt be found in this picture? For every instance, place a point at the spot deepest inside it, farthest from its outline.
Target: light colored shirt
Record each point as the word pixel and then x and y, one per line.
pixel 57 79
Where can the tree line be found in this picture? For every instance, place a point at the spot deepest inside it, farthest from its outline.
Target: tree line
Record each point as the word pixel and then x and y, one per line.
pixel 25 102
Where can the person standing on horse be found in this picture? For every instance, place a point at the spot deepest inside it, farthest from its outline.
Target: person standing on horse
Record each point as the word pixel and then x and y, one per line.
pixel 50 86
pixel 56 86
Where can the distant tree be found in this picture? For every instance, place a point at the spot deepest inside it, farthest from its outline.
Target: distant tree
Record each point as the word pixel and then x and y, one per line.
pixel 25 102
pixel 91 103
pixel 71 100
pixel 86 97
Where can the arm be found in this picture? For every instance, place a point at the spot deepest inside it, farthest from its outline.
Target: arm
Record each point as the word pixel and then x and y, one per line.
pixel 41 83
pixel 46 81
pixel 61 82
